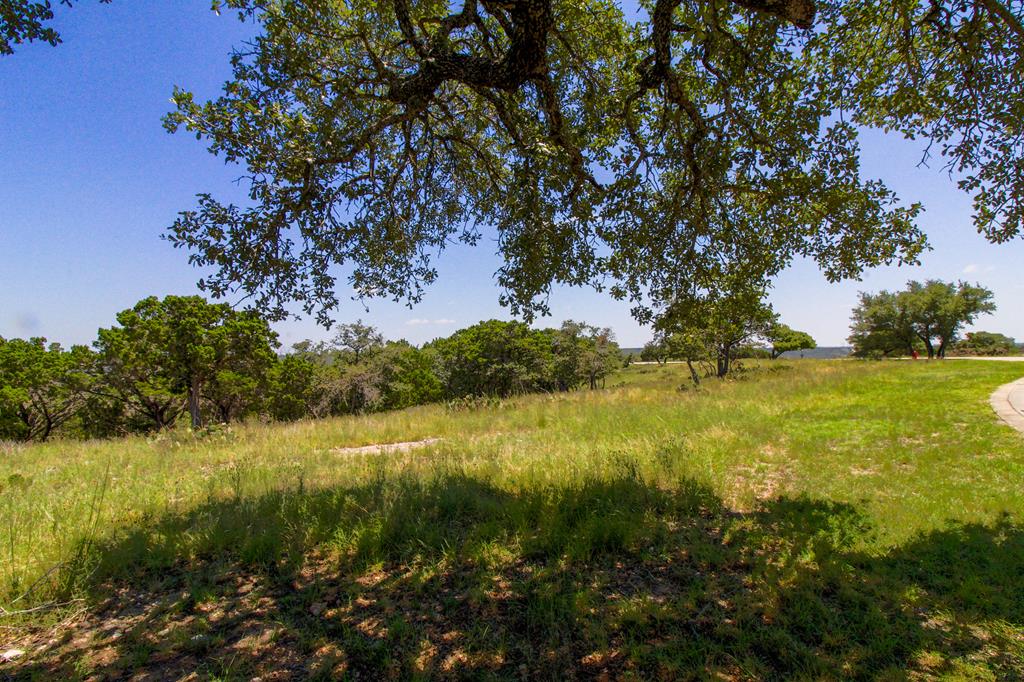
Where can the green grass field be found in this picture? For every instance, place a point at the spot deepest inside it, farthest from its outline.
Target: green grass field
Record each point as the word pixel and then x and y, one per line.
pixel 806 520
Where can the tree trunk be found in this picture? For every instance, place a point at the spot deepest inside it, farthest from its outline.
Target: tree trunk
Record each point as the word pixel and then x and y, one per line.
pixel 723 361
pixel 26 418
pixel 47 429
pixel 927 338
pixel 193 406
pixel 693 372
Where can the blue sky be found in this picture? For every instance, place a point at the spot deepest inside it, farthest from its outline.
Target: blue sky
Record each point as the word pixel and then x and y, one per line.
pixel 89 180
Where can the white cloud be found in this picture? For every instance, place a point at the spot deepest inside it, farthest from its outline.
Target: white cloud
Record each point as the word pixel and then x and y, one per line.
pixel 419 322
pixel 974 268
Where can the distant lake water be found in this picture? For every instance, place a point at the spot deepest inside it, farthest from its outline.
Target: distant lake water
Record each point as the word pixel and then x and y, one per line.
pixel 822 353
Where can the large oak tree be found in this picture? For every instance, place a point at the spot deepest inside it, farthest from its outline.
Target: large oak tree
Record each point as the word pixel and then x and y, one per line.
pixel 715 325
pixel 654 151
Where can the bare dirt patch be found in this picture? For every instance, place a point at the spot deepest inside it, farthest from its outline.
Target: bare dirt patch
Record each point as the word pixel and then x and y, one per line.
pixel 762 480
pixel 387 448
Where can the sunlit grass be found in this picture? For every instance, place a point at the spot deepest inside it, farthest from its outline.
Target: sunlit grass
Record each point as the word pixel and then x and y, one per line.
pixel 817 501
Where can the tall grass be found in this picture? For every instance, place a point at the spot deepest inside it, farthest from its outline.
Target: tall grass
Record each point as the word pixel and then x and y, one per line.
pixel 870 457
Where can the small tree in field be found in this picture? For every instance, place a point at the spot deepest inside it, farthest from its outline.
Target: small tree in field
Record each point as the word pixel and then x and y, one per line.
pixel 583 354
pixel 784 339
pixel 719 321
pixel 602 356
pixel 693 347
pixel 655 351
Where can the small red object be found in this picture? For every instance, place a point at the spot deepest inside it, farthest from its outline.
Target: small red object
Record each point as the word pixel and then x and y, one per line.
pixel 914 354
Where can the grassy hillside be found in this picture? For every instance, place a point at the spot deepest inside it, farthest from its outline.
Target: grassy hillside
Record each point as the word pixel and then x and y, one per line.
pixel 806 520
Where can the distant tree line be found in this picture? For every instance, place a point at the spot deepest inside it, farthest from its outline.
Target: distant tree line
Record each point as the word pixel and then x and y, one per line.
pixel 165 359
pixel 924 318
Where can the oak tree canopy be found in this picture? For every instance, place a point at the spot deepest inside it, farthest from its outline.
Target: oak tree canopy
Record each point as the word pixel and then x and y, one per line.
pixel 652 150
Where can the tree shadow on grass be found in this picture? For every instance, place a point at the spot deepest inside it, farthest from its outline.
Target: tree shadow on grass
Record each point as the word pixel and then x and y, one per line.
pixel 456 578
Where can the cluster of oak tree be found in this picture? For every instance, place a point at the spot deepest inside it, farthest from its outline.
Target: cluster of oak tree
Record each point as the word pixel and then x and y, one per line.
pixel 182 355
pixel 711 332
pixel 926 319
